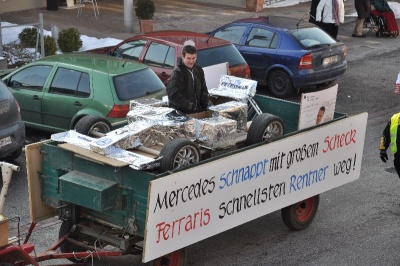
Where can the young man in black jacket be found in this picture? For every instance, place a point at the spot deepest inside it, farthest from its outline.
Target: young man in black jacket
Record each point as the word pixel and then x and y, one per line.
pixel 187 90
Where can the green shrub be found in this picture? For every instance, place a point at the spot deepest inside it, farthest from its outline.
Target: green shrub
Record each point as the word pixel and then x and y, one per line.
pixel 50 46
pixel 145 9
pixel 69 40
pixel 27 37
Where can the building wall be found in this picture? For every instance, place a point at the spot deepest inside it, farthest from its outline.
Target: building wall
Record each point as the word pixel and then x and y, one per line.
pixel 236 3
pixel 17 5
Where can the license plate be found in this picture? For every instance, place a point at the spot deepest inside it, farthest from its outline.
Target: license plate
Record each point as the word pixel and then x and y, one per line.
pixel 5 141
pixel 330 60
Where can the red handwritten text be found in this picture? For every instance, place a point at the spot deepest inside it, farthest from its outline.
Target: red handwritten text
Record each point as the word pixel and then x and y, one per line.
pixel 186 223
pixel 339 140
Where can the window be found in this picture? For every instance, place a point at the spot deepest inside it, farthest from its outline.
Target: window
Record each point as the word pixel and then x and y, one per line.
pixel 262 38
pixel 71 82
pixel 232 34
pixel 137 84
pixel 32 78
pixel 312 36
pixel 170 60
pixel 217 55
pixel 157 54
pixel 130 50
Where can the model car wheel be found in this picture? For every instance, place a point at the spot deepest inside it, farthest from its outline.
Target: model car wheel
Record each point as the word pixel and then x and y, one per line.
pixel 265 127
pixel 178 153
pixel 93 126
pixel 67 247
pixel 176 258
pixel 301 214
pixel 280 84
pixel 13 156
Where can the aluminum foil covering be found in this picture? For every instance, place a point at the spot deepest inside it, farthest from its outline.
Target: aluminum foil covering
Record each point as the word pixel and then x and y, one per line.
pixel 161 134
pixel 239 89
pixel 156 115
pixel 145 101
pixel 233 110
pixel 216 132
pixel 74 138
pixel 123 138
pixel 135 161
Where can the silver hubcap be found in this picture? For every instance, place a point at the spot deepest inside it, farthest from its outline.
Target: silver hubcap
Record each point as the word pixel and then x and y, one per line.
pixel 273 131
pixel 187 155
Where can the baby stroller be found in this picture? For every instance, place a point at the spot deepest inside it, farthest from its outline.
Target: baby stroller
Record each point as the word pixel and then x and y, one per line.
pixel 382 20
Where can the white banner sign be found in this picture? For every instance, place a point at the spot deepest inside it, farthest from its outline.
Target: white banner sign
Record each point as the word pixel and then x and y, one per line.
pixel 200 202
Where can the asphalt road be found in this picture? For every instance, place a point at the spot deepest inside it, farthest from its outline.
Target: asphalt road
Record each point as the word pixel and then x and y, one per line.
pixel 356 223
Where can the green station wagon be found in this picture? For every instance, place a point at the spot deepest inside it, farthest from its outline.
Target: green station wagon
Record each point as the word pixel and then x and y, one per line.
pixel 86 92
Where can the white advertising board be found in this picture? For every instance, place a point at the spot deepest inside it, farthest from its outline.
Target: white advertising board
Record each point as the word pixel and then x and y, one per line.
pixel 200 202
pixel 317 107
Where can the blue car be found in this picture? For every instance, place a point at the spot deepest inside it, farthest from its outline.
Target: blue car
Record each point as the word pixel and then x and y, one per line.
pixel 286 54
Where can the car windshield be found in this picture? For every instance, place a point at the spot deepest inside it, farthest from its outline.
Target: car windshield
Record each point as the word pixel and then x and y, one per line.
pixel 312 37
pixel 137 84
pixel 218 55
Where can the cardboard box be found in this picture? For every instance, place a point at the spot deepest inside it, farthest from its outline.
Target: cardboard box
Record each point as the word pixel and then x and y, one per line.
pixel 3 233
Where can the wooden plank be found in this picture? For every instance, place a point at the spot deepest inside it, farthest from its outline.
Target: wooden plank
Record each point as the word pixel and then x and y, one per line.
pixel 38 211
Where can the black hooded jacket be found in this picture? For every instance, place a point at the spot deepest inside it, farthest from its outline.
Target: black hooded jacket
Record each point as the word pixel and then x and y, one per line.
pixel 187 89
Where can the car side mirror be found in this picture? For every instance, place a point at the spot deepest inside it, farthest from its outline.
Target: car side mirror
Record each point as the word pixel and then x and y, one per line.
pixel 15 84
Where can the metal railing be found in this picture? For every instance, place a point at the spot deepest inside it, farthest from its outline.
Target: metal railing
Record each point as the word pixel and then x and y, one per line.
pixel 40 33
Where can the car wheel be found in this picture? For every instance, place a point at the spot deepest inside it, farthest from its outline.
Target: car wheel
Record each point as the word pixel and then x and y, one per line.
pixel 301 214
pixel 176 258
pixel 265 127
pixel 93 126
pixel 280 84
pixel 13 156
pixel 178 153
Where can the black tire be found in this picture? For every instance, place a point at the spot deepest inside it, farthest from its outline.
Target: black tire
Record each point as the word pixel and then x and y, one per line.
pixel 265 127
pixel 176 258
pixel 67 247
pixel 280 84
pixel 178 153
pixel 301 214
pixel 90 125
pixel 13 156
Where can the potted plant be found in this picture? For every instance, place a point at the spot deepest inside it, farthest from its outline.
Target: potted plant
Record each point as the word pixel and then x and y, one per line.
pixel 145 11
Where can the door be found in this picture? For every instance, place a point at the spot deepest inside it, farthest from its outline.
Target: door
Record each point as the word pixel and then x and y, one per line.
pixel 28 86
pixel 161 59
pixel 259 50
pixel 69 92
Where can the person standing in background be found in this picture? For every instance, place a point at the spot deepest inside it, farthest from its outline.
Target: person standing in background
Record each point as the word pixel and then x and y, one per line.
pixel 363 8
pixel 331 14
pixel 313 12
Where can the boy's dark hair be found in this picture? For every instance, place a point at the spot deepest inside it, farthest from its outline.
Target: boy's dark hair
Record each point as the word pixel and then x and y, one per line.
pixel 322 108
pixel 188 49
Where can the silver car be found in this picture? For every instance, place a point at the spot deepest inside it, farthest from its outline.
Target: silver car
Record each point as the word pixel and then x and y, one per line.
pixel 12 128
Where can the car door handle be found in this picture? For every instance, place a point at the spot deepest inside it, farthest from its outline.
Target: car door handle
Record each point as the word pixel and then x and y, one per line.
pixel 77 104
pixel 36 98
pixel 264 55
